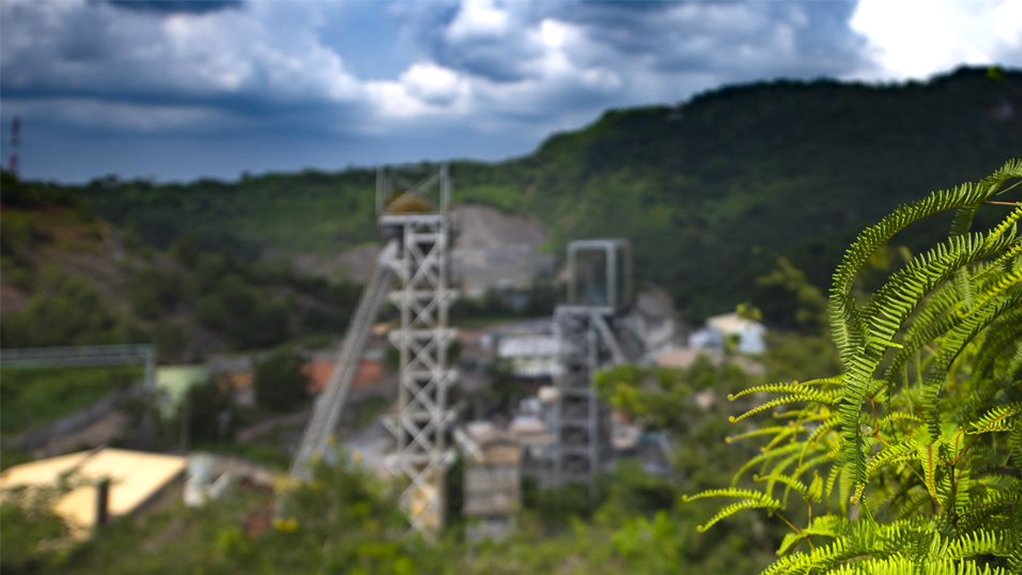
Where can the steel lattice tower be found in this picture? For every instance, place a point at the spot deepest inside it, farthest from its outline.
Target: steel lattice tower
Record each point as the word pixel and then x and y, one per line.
pixel 596 292
pixel 424 296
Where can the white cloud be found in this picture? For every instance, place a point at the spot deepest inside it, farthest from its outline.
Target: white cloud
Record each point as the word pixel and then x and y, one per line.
pixel 917 38
pixel 432 83
pixel 424 92
pixel 478 19
pixel 553 33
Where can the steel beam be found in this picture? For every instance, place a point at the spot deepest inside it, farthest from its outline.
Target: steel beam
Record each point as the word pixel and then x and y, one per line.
pixel 424 297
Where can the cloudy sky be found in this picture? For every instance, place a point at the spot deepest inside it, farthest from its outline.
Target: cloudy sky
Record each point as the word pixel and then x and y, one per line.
pixel 177 90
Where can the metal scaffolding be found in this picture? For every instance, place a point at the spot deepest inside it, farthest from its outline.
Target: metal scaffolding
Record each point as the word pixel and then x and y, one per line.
pixel 326 413
pixel 418 218
pixel 599 287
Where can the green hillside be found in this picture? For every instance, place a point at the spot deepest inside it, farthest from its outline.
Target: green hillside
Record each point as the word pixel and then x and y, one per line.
pixel 71 278
pixel 711 191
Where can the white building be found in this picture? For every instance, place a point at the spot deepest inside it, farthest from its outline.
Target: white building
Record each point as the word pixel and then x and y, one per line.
pixel 531 356
pixel 493 478
pixel 654 319
pixel 748 334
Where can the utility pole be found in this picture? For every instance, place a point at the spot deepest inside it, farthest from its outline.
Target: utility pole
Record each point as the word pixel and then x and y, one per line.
pixel 15 143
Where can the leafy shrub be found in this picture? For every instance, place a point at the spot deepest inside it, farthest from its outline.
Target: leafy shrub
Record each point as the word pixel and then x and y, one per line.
pixel 279 382
pixel 909 460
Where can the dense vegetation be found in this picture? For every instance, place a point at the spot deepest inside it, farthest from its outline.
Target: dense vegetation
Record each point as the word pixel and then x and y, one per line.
pixel 909 460
pixel 710 191
pixel 32 397
pixel 72 279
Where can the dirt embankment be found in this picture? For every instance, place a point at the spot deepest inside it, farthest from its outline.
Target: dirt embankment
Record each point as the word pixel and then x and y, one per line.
pixel 491 249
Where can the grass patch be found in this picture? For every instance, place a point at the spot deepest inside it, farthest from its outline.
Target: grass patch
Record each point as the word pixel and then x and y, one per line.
pixel 37 396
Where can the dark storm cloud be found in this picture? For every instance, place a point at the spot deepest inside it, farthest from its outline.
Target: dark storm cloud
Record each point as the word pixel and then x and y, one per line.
pixel 517 69
pixel 493 76
pixel 731 40
pixel 99 65
pixel 175 6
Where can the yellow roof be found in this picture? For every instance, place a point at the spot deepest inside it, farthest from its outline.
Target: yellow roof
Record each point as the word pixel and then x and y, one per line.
pixel 134 476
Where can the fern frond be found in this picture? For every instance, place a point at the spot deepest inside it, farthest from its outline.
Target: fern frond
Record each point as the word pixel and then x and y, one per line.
pixel 750 499
pixel 732 493
pixel 903 451
pixel 808 395
pixel 829 526
pixel 899 565
pixel 916 448
pixel 793 387
pixel 1000 418
pixel 771 431
pixel 977 543
pixel 892 305
pixel 770 455
pixel 776 477
pixel 733 509
pixel 844 316
pixel 951 346
pixel 1000 338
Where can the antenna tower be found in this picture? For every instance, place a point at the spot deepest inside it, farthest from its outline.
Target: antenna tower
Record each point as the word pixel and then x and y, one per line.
pixel 12 159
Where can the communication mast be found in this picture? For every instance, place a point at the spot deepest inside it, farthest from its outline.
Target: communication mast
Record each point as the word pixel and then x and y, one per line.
pixel 599 289
pixel 12 159
pixel 417 217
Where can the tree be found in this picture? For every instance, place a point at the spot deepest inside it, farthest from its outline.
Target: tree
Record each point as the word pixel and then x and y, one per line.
pixel 910 460
pixel 207 409
pixel 279 382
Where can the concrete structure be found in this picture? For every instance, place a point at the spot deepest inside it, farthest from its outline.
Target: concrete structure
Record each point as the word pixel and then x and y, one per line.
pixel 747 334
pixel 497 251
pixel 686 357
pixel 533 357
pixel 237 375
pixel 599 288
pixel 654 319
pixel 370 371
pixel 533 427
pixel 492 494
pixel 134 478
pixel 204 484
pixel 174 381
pixel 600 274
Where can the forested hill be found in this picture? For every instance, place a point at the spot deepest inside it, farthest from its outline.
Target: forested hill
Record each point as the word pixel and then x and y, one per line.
pixel 711 191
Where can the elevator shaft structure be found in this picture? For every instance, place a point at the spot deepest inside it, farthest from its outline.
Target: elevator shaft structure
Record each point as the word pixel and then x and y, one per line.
pixel 326 412
pixel 418 219
pixel 599 289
